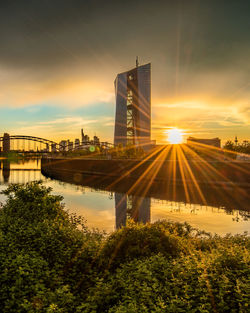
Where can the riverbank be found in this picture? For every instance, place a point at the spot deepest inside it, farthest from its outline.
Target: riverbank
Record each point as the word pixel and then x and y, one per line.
pixel 51 262
pixel 192 172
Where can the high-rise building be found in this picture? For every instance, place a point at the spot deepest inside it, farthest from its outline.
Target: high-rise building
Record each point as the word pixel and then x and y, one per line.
pixel 6 142
pixel 96 141
pixel 85 138
pixel 133 106
pixel 82 135
pixel 216 142
pixel 77 144
pixel 70 145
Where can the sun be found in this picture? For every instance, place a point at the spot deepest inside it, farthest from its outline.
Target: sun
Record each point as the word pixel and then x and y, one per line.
pixel 175 136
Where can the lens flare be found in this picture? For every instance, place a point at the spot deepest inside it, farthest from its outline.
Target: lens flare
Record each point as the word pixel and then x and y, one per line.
pixel 175 136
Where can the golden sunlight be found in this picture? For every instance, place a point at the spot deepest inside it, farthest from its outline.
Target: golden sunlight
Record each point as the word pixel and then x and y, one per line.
pixel 175 136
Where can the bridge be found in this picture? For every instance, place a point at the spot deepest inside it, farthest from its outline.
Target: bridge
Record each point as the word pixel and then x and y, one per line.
pixel 32 144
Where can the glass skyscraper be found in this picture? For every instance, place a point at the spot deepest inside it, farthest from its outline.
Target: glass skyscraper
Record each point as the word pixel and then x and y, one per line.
pixel 133 107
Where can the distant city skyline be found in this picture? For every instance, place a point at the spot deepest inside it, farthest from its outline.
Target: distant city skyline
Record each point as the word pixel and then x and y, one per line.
pixel 58 61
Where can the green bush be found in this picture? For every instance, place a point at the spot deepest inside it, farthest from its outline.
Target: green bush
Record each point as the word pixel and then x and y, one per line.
pixel 193 283
pixel 50 262
pixel 140 241
pixel 39 245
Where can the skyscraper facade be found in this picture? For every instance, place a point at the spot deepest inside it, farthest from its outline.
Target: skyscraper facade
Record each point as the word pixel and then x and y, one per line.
pixel 6 142
pixel 133 107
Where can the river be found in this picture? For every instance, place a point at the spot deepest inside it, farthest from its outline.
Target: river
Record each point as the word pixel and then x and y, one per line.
pixel 107 210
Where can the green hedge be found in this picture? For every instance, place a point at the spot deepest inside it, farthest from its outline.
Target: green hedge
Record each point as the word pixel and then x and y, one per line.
pixel 51 262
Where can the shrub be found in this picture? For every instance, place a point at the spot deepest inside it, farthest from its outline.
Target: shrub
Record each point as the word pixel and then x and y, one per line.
pixel 50 262
pixel 207 282
pixel 139 241
pixel 39 242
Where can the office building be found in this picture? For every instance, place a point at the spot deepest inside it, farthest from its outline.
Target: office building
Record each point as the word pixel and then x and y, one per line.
pixel 70 145
pixel 96 141
pixel 133 107
pixel 6 143
pixel 85 138
pixel 216 142
pixel 77 144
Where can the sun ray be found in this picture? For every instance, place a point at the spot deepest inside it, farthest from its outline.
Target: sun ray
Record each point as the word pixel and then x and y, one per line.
pixel 127 173
pixel 214 174
pixel 218 154
pixel 182 171
pixel 192 176
pixel 152 166
pixel 171 172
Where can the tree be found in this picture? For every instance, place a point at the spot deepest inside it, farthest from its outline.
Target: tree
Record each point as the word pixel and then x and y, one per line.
pixel 229 145
pixel 38 243
pixel 243 147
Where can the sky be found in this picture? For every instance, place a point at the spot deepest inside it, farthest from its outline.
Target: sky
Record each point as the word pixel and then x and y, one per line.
pixel 59 59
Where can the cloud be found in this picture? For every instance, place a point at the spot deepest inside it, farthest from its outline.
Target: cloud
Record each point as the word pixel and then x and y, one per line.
pixel 109 124
pixel 29 130
pixel 68 53
pixel 59 91
pixel 244 112
pixel 68 127
pixel 179 105
pixel 76 121
pixel 205 122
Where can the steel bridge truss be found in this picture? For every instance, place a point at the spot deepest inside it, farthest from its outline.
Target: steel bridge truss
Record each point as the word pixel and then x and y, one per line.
pixel 51 146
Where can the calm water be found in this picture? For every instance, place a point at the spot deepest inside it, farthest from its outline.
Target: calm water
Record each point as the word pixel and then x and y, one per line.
pixel 108 210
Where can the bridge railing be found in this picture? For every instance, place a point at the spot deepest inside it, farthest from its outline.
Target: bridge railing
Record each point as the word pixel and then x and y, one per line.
pixel 51 146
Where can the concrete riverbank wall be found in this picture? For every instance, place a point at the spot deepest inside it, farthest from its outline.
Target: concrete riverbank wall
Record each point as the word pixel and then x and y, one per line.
pixel 159 181
pixel 216 172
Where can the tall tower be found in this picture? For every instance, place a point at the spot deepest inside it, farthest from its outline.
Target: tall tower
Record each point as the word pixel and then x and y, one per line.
pixel 236 140
pixel 82 135
pixel 6 142
pixel 133 106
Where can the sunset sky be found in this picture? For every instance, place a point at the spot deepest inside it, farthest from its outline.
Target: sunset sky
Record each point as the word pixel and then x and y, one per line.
pixel 59 59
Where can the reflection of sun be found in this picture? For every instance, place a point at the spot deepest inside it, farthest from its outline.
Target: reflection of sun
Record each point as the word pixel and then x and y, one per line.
pixel 175 136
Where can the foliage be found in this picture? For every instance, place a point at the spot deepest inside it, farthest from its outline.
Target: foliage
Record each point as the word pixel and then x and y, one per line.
pixel 140 241
pixel 50 262
pixel 210 282
pixel 39 241
pixel 243 147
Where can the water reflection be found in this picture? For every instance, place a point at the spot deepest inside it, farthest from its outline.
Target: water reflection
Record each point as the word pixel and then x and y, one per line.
pixel 109 208
pixel 6 170
pixel 227 197
pixel 128 206
pixel 20 171
pixel 221 201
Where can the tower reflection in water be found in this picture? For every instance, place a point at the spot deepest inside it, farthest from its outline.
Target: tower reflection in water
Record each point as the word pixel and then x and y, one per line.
pixel 129 206
pixel 6 170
